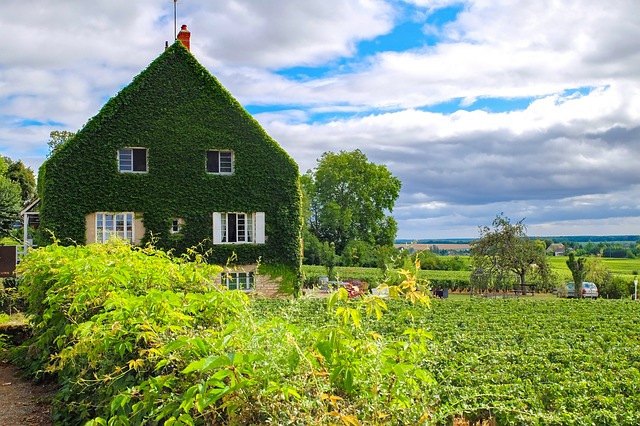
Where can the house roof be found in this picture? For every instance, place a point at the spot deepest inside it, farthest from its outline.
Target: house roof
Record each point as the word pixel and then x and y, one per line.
pixel 30 207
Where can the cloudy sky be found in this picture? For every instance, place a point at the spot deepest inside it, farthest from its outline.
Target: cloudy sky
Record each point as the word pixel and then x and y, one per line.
pixel 531 108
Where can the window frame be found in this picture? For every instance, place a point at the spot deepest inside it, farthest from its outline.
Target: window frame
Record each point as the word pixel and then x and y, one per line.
pixel 176 225
pixel 103 235
pixel 132 150
pixel 252 228
pixel 218 166
pixel 229 279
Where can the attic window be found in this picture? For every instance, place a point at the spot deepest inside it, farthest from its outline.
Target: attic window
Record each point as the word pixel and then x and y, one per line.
pixel 176 225
pixel 220 162
pixel 132 160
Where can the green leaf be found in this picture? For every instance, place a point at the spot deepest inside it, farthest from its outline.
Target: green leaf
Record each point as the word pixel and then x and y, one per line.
pixel 326 349
pixel 293 360
pixel 205 364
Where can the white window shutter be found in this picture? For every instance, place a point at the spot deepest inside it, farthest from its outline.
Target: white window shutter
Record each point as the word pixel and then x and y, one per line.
pixel 217 228
pixel 260 228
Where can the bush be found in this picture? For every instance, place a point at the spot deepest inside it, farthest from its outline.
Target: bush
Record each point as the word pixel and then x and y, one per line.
pixel 615 288
pixel 10 300
pixel 134 336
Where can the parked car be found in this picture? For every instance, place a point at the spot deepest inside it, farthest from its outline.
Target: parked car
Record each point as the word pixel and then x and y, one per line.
pixel 588 290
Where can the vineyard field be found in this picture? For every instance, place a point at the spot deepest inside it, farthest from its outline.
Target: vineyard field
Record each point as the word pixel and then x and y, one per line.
pixel 521 362
pixel 133 336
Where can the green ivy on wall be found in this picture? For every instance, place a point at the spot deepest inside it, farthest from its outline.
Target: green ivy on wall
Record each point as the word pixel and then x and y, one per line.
pixel 177 110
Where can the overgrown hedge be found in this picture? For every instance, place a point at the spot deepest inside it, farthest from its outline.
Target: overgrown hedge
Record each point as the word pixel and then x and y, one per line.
pixel 177 110
pixel 136 337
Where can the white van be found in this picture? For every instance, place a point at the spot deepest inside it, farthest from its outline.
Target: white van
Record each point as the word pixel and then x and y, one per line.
pixel 588 290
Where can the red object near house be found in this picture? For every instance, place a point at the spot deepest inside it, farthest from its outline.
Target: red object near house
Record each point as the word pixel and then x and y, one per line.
pixel 185 37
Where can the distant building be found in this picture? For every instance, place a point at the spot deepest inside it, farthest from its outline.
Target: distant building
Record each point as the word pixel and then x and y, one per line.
pixel 556 249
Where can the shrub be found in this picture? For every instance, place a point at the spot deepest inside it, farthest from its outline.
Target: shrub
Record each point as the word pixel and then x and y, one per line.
pixel 136 337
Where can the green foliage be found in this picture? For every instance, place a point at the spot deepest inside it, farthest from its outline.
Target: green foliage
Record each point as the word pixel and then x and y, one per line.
pixel 178 111
pixel 347 199
pixel 18 173
pixel 504 249
pixel 134 350
pixel 616 288
pixel 312 273
pixel 578 268
pixel 57 138
pixel 10 204
pixel 10 300
pixel 432 261
pixel 329 259
pixel 135 337
pixel 288 278
pixel 358 253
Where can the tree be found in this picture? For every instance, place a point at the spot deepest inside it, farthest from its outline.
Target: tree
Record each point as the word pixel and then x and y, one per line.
pixel 10 204
pixel 57 138
pixel 18 173
pixel 358 253
pixel 505 249
pixel 347 198
pixel 578 270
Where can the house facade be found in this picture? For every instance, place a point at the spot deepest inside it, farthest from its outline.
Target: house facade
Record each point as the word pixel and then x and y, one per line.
pixel 174 160
pixel 556 249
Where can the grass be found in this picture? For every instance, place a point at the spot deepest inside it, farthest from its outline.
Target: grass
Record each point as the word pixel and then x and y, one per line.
pixel 626 268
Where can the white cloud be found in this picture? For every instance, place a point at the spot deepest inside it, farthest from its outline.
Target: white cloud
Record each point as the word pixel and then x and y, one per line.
pixel 569 155
pixel 283 33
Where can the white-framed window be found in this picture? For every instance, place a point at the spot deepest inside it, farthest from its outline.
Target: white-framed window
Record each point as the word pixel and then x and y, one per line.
pixel 238 280
pixel 238 228
pixel 220 162
pixel 110 225
pixel 176 225
pixel 132 160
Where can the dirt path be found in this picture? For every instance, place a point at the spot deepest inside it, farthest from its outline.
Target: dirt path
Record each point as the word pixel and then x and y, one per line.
pixel 21 401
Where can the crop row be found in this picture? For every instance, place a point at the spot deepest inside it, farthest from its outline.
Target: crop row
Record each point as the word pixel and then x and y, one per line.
pixel 555 362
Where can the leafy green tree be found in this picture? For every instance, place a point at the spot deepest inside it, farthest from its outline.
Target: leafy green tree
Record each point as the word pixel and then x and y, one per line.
pixel 505 248
pixel 578 268
pixel 18 173
pixel 347 198
pixel 312 248
pixel 428 260
pixel 10 204
pixel 329 259
pixel 57 138
pixel 358 253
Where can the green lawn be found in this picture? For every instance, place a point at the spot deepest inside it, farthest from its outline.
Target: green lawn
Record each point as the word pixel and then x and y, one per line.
pixel 621 267
pixel 627 268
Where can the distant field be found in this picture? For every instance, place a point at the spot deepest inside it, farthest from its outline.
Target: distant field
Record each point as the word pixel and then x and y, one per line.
pixel 627 268
pixel 420 247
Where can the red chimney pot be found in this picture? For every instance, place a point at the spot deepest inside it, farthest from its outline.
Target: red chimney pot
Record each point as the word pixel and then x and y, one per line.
pixel 185 37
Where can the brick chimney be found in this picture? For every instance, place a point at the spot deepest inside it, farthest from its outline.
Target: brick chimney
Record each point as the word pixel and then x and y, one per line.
pixel 185 37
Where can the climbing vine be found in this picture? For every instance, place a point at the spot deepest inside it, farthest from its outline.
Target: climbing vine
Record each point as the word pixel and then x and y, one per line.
pixel 178 111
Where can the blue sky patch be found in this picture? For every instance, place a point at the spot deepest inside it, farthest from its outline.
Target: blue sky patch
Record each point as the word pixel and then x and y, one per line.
pixel 306 73
pixel 14 121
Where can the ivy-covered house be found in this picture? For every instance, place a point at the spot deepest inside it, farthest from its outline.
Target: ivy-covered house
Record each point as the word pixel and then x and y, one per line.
pixel 175 160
